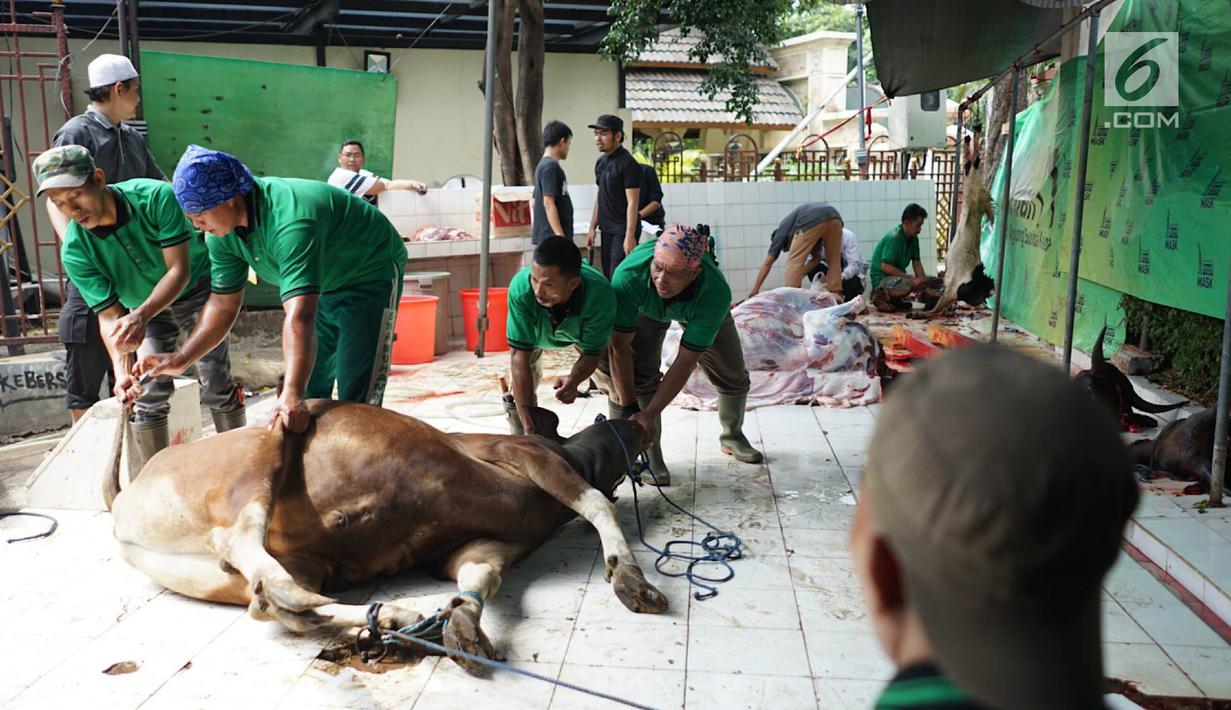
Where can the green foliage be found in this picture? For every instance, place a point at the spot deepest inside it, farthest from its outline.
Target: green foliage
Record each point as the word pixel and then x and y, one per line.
pixel 1190 345
pixel 737 31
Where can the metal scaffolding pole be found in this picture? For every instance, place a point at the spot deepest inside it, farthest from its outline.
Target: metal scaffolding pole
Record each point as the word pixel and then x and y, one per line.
pixel 1224 394
pixel 861 158
pixel 1079 207
pixel 489 94
pixel 957 179
pixel 1006 190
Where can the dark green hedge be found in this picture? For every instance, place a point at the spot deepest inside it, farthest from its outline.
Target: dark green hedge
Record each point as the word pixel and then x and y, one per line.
pixel 1188 343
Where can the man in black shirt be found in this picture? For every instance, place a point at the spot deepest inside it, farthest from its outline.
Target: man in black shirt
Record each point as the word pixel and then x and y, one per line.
pixel 123 154
pixel 618 177
pixel 553 208
pixel 650 205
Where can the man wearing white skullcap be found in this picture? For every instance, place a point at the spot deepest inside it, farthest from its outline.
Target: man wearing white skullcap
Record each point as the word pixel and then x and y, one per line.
pixel 123 154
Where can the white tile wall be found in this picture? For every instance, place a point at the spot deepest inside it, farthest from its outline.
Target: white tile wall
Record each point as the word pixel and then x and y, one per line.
pixel 743 215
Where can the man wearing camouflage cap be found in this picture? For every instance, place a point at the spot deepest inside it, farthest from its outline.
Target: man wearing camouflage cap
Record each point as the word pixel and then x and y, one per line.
pixel 992 505
pixel 143 269
pixel 123 154
pixel 675 278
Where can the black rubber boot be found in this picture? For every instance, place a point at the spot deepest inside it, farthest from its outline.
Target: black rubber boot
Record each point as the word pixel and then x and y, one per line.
pixel 732 440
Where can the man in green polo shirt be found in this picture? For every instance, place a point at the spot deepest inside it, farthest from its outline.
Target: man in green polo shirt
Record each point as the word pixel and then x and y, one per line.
pixel 894 253
pixel 556 302
pixel 674 278
pixel 336 260
pixel 143 269
pixel 976 600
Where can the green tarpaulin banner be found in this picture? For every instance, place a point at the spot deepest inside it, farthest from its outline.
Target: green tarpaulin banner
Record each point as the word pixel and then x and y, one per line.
pixel 286 120
pixel 1157 224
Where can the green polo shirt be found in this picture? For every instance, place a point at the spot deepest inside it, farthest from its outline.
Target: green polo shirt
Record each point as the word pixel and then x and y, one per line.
pixel 585 320
pixel 306 236
pixel 701 308
pixel 923 686
pixel 123 263
pixel 895 248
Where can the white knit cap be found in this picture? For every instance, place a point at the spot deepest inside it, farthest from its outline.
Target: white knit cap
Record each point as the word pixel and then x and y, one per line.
pixel 109 69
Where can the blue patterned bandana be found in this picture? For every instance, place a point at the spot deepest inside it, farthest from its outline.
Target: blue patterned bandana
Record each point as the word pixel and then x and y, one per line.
pixel 206 178
pixel 680 248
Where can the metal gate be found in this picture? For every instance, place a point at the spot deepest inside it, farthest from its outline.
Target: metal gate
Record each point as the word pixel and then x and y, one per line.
pixel 35 89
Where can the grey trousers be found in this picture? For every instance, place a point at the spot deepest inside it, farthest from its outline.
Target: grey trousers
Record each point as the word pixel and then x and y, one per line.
pixel 218 391
pixel 723 362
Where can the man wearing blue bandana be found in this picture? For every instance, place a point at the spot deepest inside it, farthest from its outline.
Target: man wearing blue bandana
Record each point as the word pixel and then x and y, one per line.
pixel 336 260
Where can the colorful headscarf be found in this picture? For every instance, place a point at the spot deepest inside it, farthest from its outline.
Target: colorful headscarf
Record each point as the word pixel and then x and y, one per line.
pixel 206 178
pixel 680 248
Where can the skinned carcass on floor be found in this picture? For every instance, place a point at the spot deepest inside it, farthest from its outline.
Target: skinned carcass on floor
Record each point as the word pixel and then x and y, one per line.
pixel 800 347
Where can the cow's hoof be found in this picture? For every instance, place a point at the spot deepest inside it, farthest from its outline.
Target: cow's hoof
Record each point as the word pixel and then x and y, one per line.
pixel 286 594
pixel 396 617
pixel 462 633
pixel 636 593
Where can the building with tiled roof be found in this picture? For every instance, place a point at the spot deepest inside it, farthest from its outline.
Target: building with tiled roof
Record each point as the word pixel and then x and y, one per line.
pixel 662 91
pixel 668 98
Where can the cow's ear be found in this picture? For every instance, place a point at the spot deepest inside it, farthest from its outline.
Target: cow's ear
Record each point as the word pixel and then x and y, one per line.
pixel 546 423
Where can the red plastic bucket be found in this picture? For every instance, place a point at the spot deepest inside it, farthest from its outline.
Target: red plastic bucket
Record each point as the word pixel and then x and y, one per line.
pixel 416 330
pixel 497 314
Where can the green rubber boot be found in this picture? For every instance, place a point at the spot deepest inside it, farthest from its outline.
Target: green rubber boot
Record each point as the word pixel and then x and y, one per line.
pixel 151 437
pixel 658 465
pixel 226 420
pixel 732 440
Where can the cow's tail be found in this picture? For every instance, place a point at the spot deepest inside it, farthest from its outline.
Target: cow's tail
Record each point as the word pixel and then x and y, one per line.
pixel 111 478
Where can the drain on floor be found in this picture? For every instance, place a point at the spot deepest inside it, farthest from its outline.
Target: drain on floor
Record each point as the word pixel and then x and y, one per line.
pixel 1130 690
pixel 346 655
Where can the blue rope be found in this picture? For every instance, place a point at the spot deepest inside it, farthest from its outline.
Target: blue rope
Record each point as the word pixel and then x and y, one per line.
pixel 54 524
pixel 434 626
pixel 718 547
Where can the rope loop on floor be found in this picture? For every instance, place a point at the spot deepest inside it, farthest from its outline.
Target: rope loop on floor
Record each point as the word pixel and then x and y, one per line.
pixel 47 533
pixel 718 547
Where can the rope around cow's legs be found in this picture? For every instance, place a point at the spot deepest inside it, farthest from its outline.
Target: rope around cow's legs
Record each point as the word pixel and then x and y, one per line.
pixel 415 633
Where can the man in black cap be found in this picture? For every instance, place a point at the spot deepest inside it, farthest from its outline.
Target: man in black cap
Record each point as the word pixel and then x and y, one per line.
pixel 619 190
pixel 992 505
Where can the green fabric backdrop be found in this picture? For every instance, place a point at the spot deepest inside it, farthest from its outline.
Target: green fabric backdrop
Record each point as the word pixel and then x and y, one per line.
pixel 1156 217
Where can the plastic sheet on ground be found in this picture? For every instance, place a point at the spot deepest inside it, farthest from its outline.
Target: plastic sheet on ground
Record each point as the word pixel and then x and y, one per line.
pixel 800 347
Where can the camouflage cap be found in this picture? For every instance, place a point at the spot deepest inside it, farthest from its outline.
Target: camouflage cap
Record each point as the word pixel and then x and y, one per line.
pixel 63 166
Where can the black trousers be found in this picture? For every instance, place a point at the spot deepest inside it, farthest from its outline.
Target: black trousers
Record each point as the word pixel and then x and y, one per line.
pixel 86 357
pixel 612 244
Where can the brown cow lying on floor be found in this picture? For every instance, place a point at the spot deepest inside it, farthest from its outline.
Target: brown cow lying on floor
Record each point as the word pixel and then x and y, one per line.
pixel 268 520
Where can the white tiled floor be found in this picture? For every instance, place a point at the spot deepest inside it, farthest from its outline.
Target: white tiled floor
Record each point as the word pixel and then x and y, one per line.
pixel 788 631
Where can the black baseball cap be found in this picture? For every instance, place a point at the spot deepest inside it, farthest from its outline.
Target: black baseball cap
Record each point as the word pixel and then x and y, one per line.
pixel 608 122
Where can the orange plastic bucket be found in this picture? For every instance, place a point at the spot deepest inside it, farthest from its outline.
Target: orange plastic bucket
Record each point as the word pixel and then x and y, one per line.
pixel 415 329
pixel 497 314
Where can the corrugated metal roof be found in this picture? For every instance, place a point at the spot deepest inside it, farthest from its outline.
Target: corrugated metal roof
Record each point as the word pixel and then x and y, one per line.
pixel 568 25
pixel 673 96
pixel 674 47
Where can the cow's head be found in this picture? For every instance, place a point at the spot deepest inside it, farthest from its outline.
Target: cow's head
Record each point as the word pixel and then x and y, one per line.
pixel 602 452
